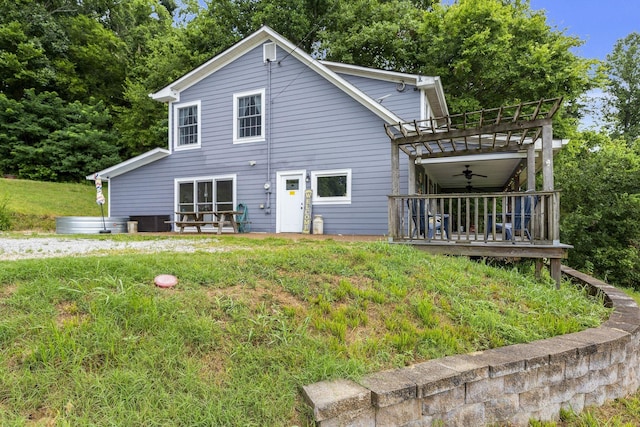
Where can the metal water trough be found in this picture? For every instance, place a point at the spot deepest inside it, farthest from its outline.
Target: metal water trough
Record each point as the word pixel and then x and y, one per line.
pixel 90 224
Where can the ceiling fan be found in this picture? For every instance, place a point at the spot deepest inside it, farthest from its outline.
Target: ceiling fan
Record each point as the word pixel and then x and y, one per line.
pixel 468 173
pixel 471 189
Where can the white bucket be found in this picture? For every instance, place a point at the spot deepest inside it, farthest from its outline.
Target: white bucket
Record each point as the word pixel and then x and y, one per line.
pixel 318 224
pixel 132 226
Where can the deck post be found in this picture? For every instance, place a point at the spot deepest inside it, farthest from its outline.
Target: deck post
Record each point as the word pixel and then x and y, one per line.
pixel 531 167
pixel 395 169
pixel 539 266
pixel 395 190
pixel 412 174
pixel 555 271
pixel 547 157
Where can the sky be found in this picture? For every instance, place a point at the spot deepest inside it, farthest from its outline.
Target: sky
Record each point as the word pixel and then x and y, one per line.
pixel 600 23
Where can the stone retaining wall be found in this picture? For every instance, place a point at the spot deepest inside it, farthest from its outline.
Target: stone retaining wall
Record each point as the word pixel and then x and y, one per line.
pixel 504 386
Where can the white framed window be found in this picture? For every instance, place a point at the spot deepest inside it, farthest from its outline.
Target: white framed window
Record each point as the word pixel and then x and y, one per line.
pixel 331 186
pixel 186 125
pixel 205 194
pixel 248 116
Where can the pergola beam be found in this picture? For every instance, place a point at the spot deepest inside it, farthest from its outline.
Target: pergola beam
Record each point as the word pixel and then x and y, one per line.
pixel 503 127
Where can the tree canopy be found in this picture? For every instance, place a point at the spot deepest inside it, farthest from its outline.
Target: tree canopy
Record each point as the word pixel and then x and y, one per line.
pixel 600 182
pixel 623 87
pixel 109 55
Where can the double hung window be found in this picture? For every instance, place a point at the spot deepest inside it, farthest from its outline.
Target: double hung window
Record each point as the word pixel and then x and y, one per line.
pixel 187 126
pixel 248 117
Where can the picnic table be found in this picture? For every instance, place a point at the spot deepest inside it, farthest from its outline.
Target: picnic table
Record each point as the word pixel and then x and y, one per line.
pixel 199 219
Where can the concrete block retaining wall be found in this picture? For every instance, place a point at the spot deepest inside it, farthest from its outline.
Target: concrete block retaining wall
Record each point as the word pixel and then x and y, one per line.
pixel 504 386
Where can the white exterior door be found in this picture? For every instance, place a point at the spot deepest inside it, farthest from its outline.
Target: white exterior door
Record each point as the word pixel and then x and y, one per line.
pixel 290 201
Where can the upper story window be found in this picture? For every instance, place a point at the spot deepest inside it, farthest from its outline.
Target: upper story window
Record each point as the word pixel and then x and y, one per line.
pixel 187 125
pixel 248 116
pixel 332 186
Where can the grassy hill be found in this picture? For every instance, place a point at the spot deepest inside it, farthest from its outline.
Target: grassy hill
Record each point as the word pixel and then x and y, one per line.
pixel 34 205
pixel 252 325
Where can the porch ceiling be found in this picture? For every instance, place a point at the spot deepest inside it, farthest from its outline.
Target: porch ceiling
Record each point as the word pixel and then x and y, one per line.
pixel 504 129
pixel 492 172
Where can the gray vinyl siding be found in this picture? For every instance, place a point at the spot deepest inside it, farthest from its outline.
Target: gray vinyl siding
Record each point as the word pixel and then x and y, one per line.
pixel 314 126
pixel 404 103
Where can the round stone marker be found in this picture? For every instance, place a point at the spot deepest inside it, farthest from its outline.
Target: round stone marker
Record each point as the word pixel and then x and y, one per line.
pixel 165 281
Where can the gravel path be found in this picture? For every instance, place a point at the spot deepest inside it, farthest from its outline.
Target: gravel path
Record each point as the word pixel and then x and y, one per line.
pixel 47 247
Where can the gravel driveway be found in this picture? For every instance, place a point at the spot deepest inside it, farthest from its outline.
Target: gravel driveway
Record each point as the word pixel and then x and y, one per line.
pixel 47 247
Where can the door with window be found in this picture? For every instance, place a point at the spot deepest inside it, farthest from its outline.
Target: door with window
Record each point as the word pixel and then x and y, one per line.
pixel 204 195
pixel 290 203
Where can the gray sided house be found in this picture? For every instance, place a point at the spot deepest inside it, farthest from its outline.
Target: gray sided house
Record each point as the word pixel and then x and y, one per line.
pixel 262 122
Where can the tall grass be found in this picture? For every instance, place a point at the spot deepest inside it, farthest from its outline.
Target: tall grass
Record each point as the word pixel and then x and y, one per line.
pixel 90 341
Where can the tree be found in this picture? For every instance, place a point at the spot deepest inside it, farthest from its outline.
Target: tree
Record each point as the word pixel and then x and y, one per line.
pixel 372 33
pixel 600 182
pixel 623 88
pixel 43 137
pixel 496 52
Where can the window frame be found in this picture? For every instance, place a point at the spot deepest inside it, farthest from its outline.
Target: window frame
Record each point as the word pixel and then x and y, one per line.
pixel 195 180
pixel 317 200
pixel 260 138
pixel 176 127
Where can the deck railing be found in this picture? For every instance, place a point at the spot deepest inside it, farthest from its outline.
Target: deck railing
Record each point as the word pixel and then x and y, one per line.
pixel 530 217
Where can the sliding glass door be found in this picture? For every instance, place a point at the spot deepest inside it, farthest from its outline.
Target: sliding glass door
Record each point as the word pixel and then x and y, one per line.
pixel 207 194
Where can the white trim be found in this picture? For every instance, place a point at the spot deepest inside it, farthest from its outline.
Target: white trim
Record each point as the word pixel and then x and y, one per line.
pixel 373 73
pixel 176 116
pixel 108 199
pixel 131 164
pixel 261 137
pixel 279 175
pixel 342 200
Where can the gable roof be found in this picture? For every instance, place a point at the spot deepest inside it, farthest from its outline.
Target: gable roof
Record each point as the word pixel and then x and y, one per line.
pixel 431 85
pixel 131 164
pixel 328 70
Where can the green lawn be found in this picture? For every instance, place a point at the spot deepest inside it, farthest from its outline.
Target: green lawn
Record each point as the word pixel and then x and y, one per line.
pixel 90 341
pixel 33 205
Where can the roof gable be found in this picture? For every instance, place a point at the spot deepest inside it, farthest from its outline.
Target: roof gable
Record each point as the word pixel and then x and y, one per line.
pixel 171 92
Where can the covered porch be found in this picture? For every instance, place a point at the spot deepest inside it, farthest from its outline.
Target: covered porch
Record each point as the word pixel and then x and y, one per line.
pixel 472 184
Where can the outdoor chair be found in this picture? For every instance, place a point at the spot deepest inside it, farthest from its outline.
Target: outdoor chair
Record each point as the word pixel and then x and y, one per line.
pixel 242 218
pixel 416 207
pixel 519 219
pixel 420 223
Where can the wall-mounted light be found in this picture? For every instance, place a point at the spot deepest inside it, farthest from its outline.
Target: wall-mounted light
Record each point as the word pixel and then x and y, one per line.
pixel 252 162
pixel 308 178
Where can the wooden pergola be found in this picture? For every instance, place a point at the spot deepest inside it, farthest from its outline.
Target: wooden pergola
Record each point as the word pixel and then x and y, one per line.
pixel 501 129
pixel 514 128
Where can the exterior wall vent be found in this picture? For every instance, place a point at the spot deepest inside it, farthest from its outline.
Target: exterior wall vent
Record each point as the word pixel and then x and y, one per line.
pixel 269 52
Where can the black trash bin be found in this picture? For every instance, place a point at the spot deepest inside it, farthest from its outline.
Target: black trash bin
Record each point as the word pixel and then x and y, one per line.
pixel 152 223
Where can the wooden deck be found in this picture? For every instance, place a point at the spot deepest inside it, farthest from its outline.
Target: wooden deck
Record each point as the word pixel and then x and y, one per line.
pixel 499 225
